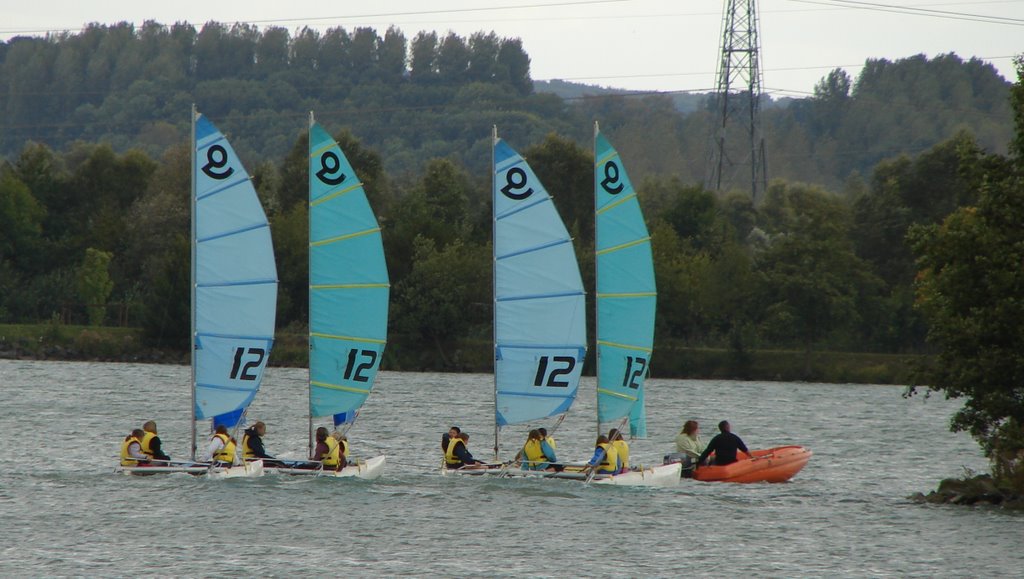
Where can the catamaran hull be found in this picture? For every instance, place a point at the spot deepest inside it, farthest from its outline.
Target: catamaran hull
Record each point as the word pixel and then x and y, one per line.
pixel 369 469
pixel 666 475
pixel 249 469
pixel 774 465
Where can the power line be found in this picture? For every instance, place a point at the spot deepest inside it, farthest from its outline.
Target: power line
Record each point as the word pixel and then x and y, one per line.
pixel 915 11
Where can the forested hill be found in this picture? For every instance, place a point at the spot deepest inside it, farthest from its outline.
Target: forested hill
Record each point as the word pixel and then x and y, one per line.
pixel 413 100
pixel 94 210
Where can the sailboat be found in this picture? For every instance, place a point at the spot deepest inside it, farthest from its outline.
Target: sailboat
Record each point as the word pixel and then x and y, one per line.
pixel 348 297
pixel 539 302
pixel 626 299
pixel 233 294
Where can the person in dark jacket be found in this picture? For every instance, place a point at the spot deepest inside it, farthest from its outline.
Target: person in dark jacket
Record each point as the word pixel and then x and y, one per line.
pixel 252 445
pixel 458 456
pixel 447 437
pixel 151 442
pixel 724 445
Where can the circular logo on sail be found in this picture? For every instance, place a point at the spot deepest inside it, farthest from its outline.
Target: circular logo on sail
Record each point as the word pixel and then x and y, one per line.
pixel 516 185
pixel 611 182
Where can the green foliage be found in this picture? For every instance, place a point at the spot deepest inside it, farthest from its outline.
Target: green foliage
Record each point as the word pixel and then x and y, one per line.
pixel 969 287
pixel 810 279
pixel 21 219
pixel 446 294
pixel 94 284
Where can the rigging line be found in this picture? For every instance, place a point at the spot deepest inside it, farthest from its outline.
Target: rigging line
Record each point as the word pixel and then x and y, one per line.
pixel 948 15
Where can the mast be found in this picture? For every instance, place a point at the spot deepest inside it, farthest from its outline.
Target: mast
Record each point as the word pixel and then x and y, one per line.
pixel 494 284
pixel 309 290
pixel 597 298
pixel 192 286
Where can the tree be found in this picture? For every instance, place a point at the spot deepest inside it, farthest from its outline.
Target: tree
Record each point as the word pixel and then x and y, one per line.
pixel 94 284
pixel 446 294
pixel 21 218
pixel 423 57
pixel 970 283
pixel 811 281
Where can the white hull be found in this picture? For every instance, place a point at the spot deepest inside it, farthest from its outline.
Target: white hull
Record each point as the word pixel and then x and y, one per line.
pixel 368 469
pixel 666 475
pixel 249 469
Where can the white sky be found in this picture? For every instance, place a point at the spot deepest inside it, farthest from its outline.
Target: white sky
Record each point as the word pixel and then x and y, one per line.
pixel 665 45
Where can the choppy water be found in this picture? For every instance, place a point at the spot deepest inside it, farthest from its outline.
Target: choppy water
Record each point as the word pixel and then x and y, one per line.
pixel 62 512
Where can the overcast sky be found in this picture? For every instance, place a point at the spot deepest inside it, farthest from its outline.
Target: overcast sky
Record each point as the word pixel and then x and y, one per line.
pixel 664 45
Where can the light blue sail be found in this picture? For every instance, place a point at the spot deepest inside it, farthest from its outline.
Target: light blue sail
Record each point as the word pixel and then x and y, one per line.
pixel 626 293
pixel 348 284
pixel 539 303
pixel 235 281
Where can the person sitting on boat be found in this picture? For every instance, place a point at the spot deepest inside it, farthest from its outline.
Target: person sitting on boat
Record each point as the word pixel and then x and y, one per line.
pixel 222 447
pixel 131 449
pixel 688 448
pixel 252 445
pixel 457 454
pixel 448 436
pixel 548 439
pixel 688 442
pixel 724 446
pixel 328 451
pixel 342 441
pixel 621 447
pixel 537 454
pixel 605 459
pixel 151 443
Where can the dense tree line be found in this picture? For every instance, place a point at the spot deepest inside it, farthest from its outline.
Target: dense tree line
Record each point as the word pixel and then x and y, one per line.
pixel 806 268
pixel 969 288
pixel 810 266
pixel 437 96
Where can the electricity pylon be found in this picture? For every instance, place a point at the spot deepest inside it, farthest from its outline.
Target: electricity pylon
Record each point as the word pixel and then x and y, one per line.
pixel 736 149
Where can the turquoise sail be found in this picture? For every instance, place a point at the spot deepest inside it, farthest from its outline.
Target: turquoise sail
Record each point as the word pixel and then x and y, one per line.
pixel 348 284
pixel 539 303
pixel 234 281
pixel 626 293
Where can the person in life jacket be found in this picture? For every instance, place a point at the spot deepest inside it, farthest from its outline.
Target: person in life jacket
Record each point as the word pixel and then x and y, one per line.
pixel 151 444
pixel 448 436
pixel 328 452
pixel 537 454
pixel 457 454
pixel 342 441
pixel 548 439
pixel 131 449
pixel 252 445
pixel 605 459
pixel 222 447
pixel 621 447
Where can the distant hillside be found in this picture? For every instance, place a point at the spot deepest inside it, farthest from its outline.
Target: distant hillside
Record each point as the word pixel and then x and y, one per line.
pixel 433 96
pixel 684 102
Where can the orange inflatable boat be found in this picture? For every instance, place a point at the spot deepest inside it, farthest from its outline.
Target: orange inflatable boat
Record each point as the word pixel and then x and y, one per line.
pixel 777 464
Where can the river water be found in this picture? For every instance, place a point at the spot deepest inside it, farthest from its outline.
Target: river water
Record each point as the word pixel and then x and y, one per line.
pixel 63 511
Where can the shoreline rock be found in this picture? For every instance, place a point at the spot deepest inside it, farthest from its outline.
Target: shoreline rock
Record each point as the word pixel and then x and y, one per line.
pixel 980 490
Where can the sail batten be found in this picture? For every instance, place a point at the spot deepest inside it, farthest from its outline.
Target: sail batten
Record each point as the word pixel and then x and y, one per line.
pixel 532 249
pixel 234 281
pixel 338 238
pixel 626 292
pixel 238 231
pixel 539 301
pixel 330 195
pixel 348 284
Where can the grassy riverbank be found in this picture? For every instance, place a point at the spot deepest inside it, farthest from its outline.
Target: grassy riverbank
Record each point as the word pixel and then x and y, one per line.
pixel 66 342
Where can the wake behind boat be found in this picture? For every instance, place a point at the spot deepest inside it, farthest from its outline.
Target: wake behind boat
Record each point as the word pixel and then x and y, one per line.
pixel 233 297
